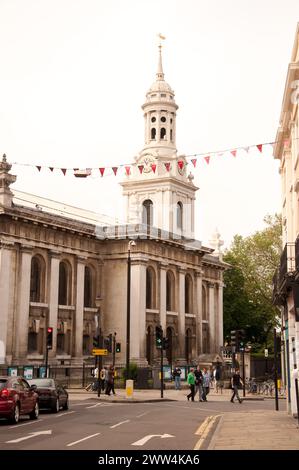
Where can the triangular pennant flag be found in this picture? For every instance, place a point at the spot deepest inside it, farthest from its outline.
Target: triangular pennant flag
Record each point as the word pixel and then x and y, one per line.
pixel 180 164
pixel 207 159
pixel 102 170
pixel 260 147
pixel 219 154
pixel 167 166
pixel 63 170
pixel 128 170
pixel 246 149
pixel 233 152
pixel 51 168
pixel 114 169
pixel 140 167
pixel 154 166
pixel 194 160
pixel 38 167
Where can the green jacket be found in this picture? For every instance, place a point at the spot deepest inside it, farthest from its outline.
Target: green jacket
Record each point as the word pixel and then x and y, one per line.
pixel 191 378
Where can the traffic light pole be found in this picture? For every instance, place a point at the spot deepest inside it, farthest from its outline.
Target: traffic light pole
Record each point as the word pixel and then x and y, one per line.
pixel 243 371
pixel 47 354
pixel 128 314
pixel 161 372
pixel 275 370
pixel 113 349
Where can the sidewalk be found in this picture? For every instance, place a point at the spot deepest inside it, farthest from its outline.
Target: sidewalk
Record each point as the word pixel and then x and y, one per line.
pixel 258 430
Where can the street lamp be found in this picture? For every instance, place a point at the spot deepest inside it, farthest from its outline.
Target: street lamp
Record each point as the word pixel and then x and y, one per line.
pixel 131 243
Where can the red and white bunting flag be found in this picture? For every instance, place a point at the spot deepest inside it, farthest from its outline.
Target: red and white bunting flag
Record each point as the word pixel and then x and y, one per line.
pixel 154 166
pixel 167 166
pixel 233 152
pixel 38 167
pixel 114 169
pixel 260 147
pixel 128 170
pixel 102 171
pixel 194 160
pixel 180 164
pixel 51 168
pixel 140 167
pixel 63 170
pixel 246 149
pixel 207 159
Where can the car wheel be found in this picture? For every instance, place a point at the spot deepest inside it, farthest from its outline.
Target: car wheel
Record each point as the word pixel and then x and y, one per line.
pixel 56 407
pixel 66 405
pixel 35 412
pixel 16 414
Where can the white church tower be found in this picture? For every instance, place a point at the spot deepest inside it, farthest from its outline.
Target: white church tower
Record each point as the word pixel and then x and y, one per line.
pixel 160 190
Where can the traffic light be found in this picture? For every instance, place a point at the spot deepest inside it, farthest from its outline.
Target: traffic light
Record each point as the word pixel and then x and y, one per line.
pixel 166 343
pixel 108 343
pixel 49 337
pixel 96 341
pixel 234 339
pixel 159 337
pixel 242 338
pixel 118 347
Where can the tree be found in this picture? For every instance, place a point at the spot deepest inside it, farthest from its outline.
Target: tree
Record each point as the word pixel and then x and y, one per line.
pixel 247 299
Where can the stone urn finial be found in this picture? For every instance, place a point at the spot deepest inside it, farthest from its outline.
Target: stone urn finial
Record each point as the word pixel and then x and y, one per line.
pixel 6 179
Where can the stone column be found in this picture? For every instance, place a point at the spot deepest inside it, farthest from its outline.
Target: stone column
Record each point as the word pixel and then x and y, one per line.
pixel 53 298
pixel 138 312
pixel 220 315
pixel 181 317
pixel 78 327
pixel 212 317
pixel 198 303
pixel 23 296
pixel 6 289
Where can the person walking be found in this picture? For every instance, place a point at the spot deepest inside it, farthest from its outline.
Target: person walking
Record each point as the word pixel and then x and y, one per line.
pixel 177 378
pixel 198 382
pixel 206 378
pixel 191 383
pixel 236 382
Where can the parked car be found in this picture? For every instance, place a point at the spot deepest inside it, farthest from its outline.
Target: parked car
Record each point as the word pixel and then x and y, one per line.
pixel 51 394
pixel 17 398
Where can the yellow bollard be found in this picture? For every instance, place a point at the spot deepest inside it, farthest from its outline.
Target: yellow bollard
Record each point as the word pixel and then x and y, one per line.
pixel 129 388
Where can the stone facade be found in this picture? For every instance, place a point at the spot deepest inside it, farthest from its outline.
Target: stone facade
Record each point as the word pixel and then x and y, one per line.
pixel 72 275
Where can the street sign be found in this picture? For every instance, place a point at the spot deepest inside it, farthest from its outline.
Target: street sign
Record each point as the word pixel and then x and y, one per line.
pixel 99 352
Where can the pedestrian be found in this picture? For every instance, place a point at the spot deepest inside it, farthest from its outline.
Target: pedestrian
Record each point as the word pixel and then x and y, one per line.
pixel 177 378
pixel 235 383
pixel 206 378
pixel 217 377
pixel 102 378
pixel 191 383
pixel 198 382
pixel 110 380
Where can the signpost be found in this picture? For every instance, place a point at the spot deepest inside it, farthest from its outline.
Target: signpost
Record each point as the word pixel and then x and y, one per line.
pixel 99 352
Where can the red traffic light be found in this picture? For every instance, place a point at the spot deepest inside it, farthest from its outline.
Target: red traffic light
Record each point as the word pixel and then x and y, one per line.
pixel 50 329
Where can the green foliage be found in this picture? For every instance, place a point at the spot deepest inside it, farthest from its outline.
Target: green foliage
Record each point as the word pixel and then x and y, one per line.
pixel 247 301
pixel 132 371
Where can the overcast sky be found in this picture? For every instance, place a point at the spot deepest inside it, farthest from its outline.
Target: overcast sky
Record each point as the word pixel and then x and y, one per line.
pixel 74 74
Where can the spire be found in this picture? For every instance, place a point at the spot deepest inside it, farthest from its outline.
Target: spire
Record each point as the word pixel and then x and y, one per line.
pixel 160 74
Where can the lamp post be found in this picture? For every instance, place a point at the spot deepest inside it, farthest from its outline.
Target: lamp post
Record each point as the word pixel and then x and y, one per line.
pixel 131 243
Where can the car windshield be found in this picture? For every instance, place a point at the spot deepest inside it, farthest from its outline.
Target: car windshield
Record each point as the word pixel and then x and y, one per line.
pixel 3 383
pixel 42 382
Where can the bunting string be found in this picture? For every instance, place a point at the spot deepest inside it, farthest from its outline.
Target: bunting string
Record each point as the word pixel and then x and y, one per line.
pixel 182 161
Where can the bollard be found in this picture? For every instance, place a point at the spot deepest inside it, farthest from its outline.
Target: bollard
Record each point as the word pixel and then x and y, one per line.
pixel 129 388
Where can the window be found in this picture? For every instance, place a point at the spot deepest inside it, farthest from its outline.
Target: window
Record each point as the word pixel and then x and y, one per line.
pixel 32 342
pixel 162 133
pixel 153 119
pixel 205 338
pixel 188 345
pixel 188 294
pixel 179 217
pixel 64 292
pixel 170 291
pixel 150 288
pixel 149 345
pixel 37 279
pixel 204 304
pixel 170 134
pixel 163 95
pixel 169 350
pixel 163 119
pixel 60 343
pixel 147 212
pixel 153 133
pixel 86 345
pixel 88 300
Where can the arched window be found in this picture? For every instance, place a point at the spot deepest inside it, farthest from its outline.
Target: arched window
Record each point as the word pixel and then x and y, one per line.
pixel 205 338
pixel 150 288
pixel 64 292
pixel 188 294
pixel 147 212
pixel 162 133
pixel 170 292
pixel 61 343
pixel 169 350
pixel 188 345
pixel 88 287
pixel 37 280
pixel 32 342
pixel 204 304
pixel 179 215
pixel 153 133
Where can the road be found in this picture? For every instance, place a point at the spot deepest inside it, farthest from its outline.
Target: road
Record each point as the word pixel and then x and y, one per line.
pixel 93 425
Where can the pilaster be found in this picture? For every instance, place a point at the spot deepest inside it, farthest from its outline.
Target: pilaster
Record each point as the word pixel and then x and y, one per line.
pixel 212 317
pixel 138 311
pixel 79 306
pixel 53 298
pixel 6 289
pixel 198 290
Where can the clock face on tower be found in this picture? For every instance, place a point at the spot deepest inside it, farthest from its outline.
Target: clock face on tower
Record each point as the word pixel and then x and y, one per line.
pixel 147 160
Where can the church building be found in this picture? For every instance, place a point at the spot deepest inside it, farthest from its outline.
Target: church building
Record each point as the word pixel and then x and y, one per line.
pixel 67 271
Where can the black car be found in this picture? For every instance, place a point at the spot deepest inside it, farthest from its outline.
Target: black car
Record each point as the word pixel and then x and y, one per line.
pixel 51 394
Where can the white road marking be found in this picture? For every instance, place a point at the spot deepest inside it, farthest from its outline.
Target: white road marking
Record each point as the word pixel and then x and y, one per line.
pixel 32 434
pixel 63 414
pixel 82 404
pixel 94 406
pixel 118 424
pixel 84 439
pixel 144 440
pixel 139 416
pixel 25 424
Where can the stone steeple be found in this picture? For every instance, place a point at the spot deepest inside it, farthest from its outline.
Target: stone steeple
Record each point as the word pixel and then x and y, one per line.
pixel 6 179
